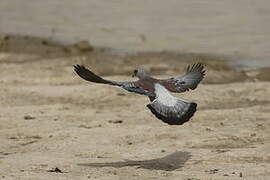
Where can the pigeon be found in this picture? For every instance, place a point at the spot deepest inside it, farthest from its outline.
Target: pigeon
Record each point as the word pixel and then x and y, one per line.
pixel 165 106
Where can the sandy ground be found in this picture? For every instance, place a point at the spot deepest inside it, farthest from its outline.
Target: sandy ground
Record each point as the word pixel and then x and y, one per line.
pixel 54 125
pixel 50 118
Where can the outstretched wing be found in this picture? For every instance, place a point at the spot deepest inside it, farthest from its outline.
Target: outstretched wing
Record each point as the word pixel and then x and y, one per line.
pixel 88 75
pixel 190 80
pixel 169 109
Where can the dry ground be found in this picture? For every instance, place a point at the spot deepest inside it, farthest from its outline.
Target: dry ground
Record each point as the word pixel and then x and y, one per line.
pixel 51 118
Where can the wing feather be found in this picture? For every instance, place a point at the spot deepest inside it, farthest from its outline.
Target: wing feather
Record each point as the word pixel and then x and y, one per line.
pixel 88 75
pixel 194 75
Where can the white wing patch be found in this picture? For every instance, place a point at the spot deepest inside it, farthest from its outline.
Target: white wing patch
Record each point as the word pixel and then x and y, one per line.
pixel 163 96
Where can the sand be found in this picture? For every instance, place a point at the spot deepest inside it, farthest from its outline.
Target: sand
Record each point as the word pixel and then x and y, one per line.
pixel 54 125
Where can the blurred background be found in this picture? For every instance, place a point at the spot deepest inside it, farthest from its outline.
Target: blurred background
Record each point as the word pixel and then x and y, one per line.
pixel 238 29
pixel 51 118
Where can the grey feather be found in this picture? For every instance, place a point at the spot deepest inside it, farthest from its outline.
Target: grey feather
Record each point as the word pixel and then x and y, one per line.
pixel 170 109
pixel 178 114
pixel 139 91
pixel 88 75
pixel 190 80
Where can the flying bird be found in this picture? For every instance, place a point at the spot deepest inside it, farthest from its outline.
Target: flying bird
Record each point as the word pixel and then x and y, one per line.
pixel 169 109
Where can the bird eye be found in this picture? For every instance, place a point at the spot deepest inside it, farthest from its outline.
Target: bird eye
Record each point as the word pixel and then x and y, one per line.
pixel 135 71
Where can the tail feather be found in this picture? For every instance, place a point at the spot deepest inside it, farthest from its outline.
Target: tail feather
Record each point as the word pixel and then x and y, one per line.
pixel 178 114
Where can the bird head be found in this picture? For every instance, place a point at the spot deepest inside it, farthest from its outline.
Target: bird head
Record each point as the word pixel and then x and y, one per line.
pixel 139 73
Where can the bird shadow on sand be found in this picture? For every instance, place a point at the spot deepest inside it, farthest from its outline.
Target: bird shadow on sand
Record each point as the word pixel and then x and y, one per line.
pixel 170 162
